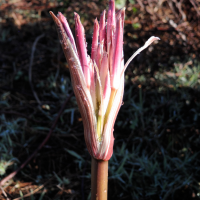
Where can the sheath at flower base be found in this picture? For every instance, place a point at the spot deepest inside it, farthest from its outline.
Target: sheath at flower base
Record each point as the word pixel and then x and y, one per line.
pixel 98 82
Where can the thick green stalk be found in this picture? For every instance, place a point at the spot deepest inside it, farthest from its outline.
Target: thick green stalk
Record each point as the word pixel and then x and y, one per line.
pixel 99 179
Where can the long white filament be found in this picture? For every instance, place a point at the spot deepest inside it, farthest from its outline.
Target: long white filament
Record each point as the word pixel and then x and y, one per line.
pixel 147 43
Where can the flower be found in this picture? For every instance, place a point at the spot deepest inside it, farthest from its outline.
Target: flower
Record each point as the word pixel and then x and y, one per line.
pixel 98 81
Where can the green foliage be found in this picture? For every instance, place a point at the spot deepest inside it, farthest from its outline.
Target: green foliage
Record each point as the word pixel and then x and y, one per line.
pixel 120 4
pixel 159 158
pixel 152 173
pixel 183 75
pixel 9 135
pixel 136 26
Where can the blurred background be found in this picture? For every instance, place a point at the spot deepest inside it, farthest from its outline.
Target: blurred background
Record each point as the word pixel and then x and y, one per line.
pixel 157 132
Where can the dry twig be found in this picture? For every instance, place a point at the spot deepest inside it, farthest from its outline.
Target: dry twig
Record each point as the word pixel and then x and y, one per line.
pixel 30 67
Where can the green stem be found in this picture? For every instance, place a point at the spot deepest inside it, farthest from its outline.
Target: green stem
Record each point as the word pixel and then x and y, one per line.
pixel 99 179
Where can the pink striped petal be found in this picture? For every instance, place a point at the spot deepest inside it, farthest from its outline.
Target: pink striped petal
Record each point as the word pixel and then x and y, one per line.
pixel 99 57
pixel 92 87
pixel 111 24
pixel 65 24
pixel 105 81
pixel 82 50
pixel 121 14
pixel 104 69
pixel 95 40
pixel 116 70
pixel 102 30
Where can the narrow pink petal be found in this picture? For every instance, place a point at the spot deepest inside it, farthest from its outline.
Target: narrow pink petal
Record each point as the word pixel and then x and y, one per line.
pixel 102 30
pixel 111 24
pixel 116 70
pixel 104 69
pixel 81 46
pixel 99 90
pixel 105 81
pixel 106 95
pixel 99 57
pixel 106 90
pixel 95 40
pixel 92 87
pixel 111 50
pixel 65 24
pixel 121 14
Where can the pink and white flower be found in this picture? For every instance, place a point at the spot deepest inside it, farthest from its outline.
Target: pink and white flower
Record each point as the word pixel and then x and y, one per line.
pixel 98 81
